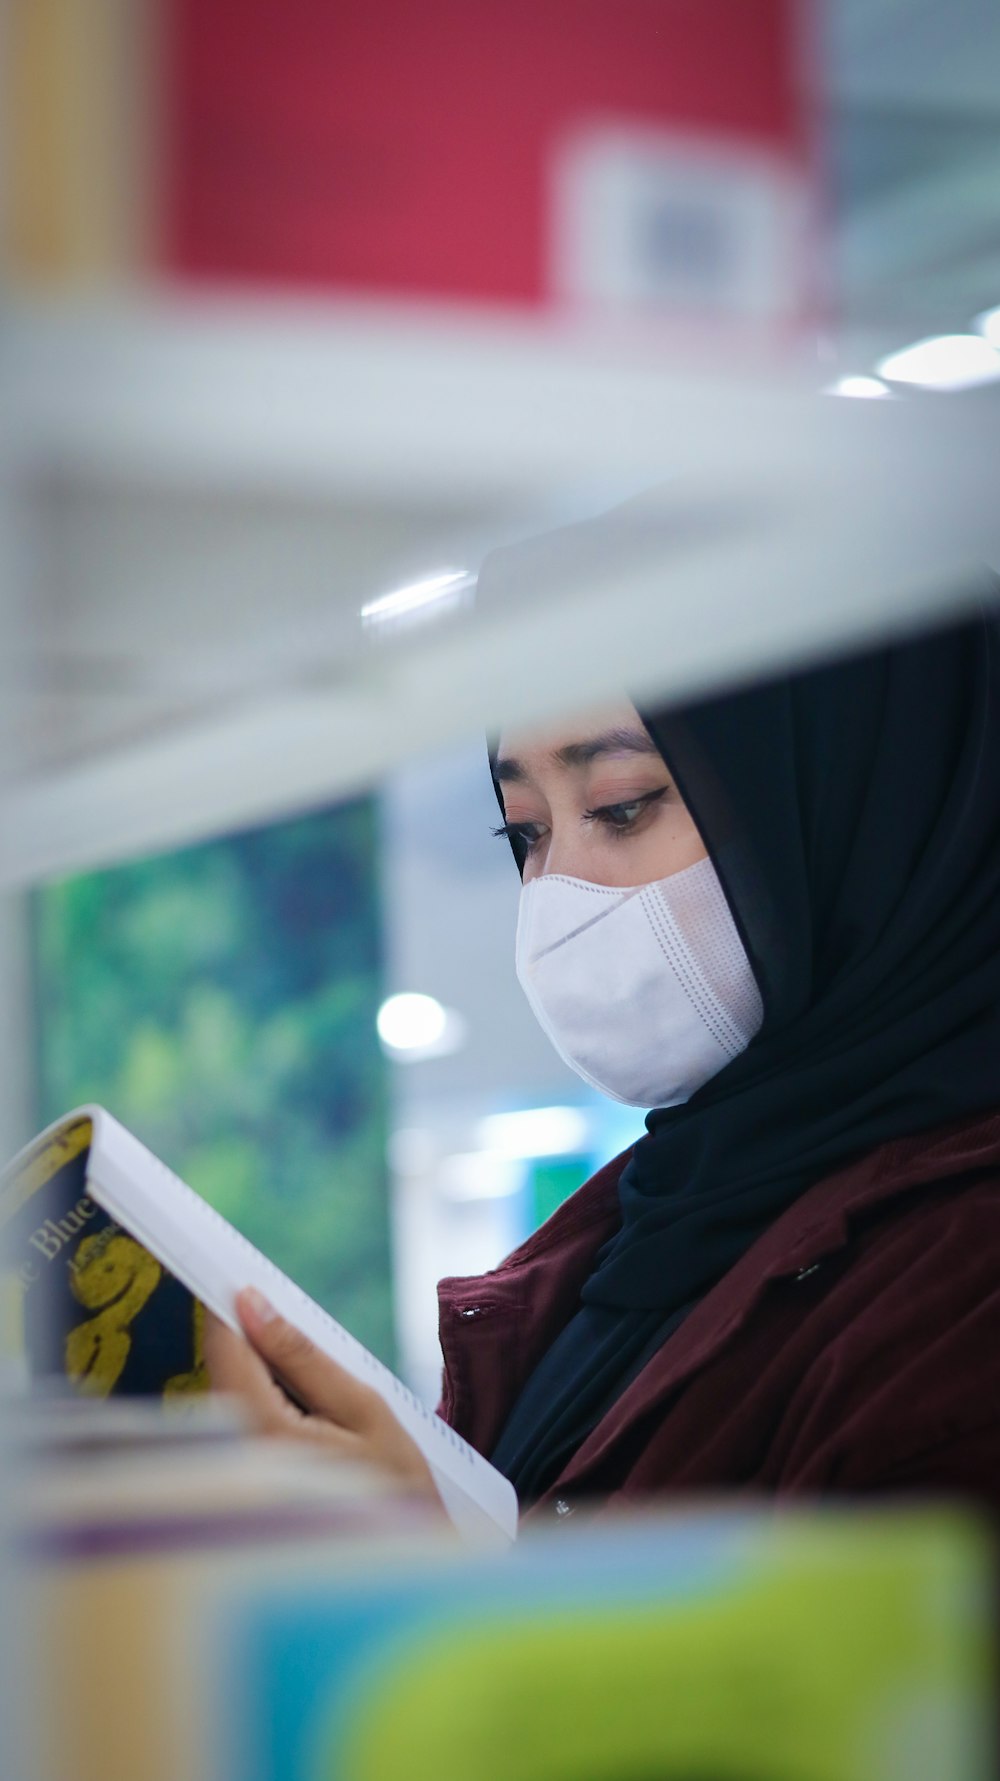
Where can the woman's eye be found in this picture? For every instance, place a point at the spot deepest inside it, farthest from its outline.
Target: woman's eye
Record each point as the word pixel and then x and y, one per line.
pixel 526 835
pixel 620 817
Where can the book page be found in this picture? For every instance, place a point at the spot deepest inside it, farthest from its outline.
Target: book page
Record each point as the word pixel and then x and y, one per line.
pixel 214 1262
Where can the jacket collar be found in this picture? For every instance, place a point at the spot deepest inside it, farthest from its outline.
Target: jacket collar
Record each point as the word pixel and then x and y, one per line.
pixel 815 1227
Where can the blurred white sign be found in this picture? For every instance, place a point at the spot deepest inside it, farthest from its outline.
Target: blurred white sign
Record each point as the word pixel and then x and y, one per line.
pixel 648 220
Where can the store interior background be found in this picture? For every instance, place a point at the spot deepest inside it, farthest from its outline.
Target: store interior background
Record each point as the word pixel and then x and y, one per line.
pixel 228 837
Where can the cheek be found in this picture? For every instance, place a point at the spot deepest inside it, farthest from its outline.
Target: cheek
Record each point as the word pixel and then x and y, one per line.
pixel 667 846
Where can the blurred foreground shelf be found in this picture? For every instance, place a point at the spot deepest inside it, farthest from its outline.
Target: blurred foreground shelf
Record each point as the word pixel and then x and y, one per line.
pixel 207 492
pixel 850 1645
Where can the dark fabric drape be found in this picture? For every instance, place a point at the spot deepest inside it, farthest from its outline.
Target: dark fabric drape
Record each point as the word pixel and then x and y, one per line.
pixel 852 812
pixel 599 1352
pixel 853 815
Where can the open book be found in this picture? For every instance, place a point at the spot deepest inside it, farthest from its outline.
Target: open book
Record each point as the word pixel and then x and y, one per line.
pixel 108 1261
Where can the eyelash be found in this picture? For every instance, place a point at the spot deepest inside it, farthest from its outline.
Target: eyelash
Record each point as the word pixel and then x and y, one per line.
pixel 515 832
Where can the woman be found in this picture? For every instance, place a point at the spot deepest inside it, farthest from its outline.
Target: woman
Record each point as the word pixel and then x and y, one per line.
pixel 791 1284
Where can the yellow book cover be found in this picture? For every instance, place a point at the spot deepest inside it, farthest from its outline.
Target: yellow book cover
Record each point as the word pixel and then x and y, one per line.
pixel 84 1302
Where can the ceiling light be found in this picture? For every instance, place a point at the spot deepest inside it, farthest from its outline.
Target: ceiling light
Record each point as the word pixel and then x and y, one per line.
pixel 535 1131
pixel 412 1027
pixel 865 387
pixel 944 362
pixel 430 597
pixel 988 325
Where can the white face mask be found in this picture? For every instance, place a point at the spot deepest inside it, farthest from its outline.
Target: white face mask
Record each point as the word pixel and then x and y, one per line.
pixel 647 992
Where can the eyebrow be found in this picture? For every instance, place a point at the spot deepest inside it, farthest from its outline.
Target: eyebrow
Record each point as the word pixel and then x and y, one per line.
pixel 580 754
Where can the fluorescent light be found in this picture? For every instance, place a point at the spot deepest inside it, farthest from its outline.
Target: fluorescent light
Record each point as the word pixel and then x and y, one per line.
pixel 480 1175
pixel 437 592
pixel 412 1027
pixel 944 362
pixel 868 388
pixel 535 1131
pixel 988 325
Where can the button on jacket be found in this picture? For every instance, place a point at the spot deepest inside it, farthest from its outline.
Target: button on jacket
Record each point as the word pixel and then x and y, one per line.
pixel 854 1348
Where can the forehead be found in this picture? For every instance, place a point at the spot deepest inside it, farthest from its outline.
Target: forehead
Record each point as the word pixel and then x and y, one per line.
pixel 603 732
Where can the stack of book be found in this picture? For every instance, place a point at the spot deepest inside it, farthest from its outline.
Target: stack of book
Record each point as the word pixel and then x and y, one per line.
pixel 133 1476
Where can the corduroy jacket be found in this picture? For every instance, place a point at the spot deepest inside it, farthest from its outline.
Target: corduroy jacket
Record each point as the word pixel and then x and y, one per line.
pixel 855 1348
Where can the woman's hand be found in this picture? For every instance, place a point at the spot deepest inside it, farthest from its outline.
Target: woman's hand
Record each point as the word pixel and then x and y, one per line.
pixel 344 1416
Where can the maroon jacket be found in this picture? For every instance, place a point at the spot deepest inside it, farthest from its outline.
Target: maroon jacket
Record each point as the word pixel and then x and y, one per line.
pixel 854 1348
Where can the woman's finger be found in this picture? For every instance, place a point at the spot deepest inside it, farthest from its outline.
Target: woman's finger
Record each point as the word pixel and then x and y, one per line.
pixel 350 1419
pixel 234 1367
pixel 317 1381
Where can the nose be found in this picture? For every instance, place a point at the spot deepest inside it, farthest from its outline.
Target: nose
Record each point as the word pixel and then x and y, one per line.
pixel 556 866
pixel 564 855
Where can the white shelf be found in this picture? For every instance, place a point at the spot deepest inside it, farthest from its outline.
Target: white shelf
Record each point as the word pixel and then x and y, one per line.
pixel 375 400
pixel 794 522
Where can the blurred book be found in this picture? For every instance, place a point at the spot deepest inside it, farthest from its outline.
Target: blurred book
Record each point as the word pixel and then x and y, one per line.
pixel 132 1477
pixel 847 1646
pixel 79 107
pixel 109 1261
pixel 57 1426
pixel 124 1522
pixel 855 1645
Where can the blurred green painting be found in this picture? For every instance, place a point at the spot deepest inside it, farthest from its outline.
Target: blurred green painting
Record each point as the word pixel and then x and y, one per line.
pixel 221 1001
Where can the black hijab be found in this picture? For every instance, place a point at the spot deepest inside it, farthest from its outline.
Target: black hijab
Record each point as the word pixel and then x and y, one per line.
pixel 852 813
